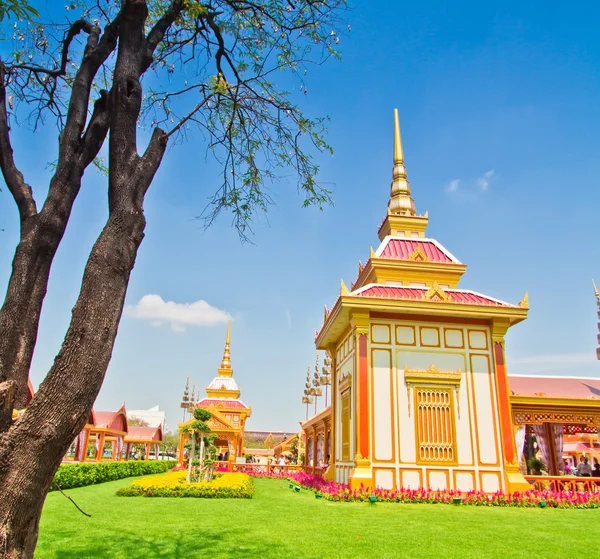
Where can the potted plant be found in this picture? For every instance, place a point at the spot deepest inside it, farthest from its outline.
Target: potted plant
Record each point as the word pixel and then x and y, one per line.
pixel 536 466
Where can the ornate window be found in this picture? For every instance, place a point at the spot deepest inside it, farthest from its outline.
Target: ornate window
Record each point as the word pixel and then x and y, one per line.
pixel 434 410
pixel 345 388
pixel 435 425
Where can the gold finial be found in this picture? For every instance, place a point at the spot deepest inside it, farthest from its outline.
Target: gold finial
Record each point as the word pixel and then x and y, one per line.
pixel 400 201
pixel 398 154
pixel 524 303
pixel 596 293
pixel 372 253
pixel 186 392
pixel 226 361
pixel 343 288
pixel 325 313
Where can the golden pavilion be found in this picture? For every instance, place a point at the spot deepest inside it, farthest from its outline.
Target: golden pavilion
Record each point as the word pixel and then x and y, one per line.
pixel 229 413
pixel 420 393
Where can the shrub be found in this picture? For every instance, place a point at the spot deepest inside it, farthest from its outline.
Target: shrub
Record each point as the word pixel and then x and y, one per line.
pixel 81 474
pixel 174 484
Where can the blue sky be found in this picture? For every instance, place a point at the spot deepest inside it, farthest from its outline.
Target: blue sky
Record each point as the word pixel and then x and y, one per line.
pixel 500 116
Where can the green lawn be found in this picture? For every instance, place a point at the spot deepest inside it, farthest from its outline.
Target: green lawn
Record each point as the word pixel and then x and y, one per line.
pixel 283 524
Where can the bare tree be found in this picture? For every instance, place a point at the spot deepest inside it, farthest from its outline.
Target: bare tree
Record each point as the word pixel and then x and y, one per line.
pixel 114 71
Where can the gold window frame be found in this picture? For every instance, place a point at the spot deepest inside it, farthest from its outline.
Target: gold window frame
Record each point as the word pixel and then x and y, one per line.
pixel 443 381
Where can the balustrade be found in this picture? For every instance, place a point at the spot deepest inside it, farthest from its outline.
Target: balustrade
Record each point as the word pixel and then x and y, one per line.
pixel 564 483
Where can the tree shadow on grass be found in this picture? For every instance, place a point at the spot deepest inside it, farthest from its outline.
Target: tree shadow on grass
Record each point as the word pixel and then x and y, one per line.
pixel 201 541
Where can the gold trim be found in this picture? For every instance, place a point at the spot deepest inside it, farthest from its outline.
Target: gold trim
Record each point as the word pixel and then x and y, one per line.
pixel 436 293
pixel 345 383
pixel 432 376
pixel 343 288
pixel 418 255
pixel 389 334
pixel 524 303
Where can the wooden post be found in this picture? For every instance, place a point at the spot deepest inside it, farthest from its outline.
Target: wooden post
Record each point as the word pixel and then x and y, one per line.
pixel 127 451
pixel 147 451
pixel 100 450
pixel 86 445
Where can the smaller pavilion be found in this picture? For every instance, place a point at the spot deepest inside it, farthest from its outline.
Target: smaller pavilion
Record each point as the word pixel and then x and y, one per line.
pixel 102 427
pixel 317 440
pixel 229 413
pixel 554 409
pixel 285 447
pixel 147 436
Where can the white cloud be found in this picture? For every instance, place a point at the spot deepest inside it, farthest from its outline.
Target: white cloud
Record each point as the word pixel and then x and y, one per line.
pixel 452 186
pixel 178 315
pixel 483 182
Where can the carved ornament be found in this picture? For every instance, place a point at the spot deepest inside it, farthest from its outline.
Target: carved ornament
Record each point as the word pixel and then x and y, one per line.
pixel 419 255
pixel 436 293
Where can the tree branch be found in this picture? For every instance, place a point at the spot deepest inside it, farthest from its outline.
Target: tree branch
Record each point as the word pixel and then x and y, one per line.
pixel 19 189
pixel 97 129
pixel 156 34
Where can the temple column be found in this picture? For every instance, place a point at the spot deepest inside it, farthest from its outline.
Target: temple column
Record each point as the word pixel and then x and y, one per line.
pixel 100 450
pixel 554 459
pixel 362 473
pixel 180 449
pixel 330 472
pixel 127 451
pixel 314 450
pixel 513 477
pixel 147 445
pixel 86 444
pixel 114 450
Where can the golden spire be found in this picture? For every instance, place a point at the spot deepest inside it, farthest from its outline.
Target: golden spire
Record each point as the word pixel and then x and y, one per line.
pixel 398 153
pixel 400 202
pixel 226 361
pixel 596 293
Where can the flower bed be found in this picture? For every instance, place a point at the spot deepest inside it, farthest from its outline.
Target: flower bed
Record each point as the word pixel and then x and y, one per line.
pixel 338 492
pixel 174 484
pixel 87 473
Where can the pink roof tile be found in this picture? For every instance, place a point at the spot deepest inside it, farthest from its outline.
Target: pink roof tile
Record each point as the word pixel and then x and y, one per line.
pixel 401 249
pixel 416 294
pixel 217 402
pixel 135 432
pixel 555 387
pixel 103 418
pixel 116 420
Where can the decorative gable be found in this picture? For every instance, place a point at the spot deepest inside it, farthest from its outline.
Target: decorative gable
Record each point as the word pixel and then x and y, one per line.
pixel 437 294
pixel 418 255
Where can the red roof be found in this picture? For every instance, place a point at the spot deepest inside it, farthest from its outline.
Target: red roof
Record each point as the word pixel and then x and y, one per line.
pixel 579 447
pixel 401 249
pixel 555 387
pixel 222 402
pixel 150 433
pixel 103 418
pixel 115 420
pixel 417 294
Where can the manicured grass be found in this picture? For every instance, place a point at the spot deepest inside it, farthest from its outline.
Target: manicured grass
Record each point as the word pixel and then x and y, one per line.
pixel 280 523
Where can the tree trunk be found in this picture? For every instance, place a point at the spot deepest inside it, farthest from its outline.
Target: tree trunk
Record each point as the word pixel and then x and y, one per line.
pixel 191 457
pixel 32 449
pixel 41 234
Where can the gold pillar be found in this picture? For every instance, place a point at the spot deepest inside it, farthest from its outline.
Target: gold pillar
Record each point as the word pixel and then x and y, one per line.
pixel 513 477
pixel 362 473
pixel 330 472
